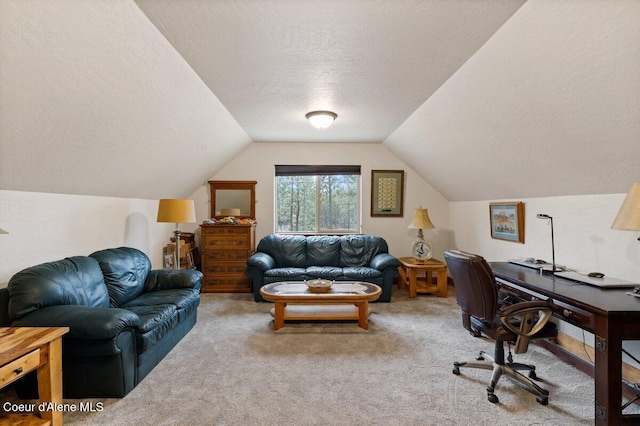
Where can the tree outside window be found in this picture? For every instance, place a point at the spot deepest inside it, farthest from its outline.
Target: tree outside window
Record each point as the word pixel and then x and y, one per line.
pixel 318 203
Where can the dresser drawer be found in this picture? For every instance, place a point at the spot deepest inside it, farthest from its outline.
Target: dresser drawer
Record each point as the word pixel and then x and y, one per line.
pixel 212 267
pixel 226 284
pixel 225 244
pixel 18 368
pixel 220 231
pixel 225 256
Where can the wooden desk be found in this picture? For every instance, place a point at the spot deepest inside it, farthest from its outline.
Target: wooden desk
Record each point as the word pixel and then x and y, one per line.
pixel 24 349
pixel 611 315
pixel 409 266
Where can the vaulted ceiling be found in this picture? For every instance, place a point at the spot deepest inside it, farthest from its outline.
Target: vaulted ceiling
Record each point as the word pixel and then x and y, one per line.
pixel 486 99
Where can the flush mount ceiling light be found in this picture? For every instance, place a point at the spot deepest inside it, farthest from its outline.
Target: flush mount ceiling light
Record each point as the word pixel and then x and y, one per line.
pixel 321 119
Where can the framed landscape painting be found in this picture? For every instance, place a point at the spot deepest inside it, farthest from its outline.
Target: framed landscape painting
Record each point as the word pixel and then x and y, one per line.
pixel 507 221
pixel 387 194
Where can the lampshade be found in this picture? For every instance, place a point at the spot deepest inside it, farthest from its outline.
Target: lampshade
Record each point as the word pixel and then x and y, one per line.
pixel 321 119
pixel 176 211
pixel 421 220
pixel 628 218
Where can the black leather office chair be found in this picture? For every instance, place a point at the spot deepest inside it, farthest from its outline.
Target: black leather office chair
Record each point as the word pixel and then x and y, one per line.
pixel 484 314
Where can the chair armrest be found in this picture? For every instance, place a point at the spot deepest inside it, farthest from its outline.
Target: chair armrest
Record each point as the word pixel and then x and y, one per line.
pixel 160 279
pixel 83 322
pixel 526 313
pixel 262 261
pixel 383 261
pixel 525 319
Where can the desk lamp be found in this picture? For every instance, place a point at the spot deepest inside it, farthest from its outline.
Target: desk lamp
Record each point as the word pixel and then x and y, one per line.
pixel 553 244
pixel 421 249
pixel 628 218
pixel 177 211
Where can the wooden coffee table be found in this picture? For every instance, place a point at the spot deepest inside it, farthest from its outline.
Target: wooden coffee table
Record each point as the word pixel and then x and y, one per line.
pixel 409 266
pixel 347 300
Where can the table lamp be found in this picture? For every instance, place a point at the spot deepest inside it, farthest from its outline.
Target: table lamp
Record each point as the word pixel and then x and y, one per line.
pixel 553 243
pixel 421 249
pixel 628 218
pixel 177 211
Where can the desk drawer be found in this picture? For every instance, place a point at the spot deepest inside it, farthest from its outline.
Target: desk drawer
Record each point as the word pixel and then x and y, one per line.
pixel 575 316
pixel 18 368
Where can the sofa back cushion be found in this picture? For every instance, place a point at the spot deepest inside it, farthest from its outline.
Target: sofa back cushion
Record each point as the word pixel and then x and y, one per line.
pixel 75 280
pixel 323 250
pixel 286 250
pixel 125 270
pixel 358 250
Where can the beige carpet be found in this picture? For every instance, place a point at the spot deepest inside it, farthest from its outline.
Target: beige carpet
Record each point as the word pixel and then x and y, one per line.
pixel 234 369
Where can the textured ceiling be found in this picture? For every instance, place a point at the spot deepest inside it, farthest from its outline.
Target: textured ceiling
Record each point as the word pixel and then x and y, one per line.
pixel 484 99
pixel 371 62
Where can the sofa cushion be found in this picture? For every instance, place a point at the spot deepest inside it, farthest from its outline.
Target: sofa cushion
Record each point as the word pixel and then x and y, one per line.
pixel 72 281
pixel 155 322
pixel 361 273
pixel 358 250
pixel 286 273
pixel 323 250
pixel 286 250
pixel 324 272
pixel 125 270
pixel 185 300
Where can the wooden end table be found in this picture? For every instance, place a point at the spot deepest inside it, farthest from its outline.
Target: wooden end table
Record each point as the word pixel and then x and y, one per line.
pixel 347 300
pixel 409 266
pixel 24 349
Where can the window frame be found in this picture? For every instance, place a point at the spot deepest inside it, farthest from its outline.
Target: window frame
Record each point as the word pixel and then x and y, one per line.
pixel 317 171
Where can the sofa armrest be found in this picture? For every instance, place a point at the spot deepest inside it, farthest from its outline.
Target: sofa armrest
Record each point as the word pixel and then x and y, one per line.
pixel 83 322
pixel 262 261
pixel 383 261
pixel 160 279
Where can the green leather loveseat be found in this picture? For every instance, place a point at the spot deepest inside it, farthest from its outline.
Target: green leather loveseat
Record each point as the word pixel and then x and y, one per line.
pixel 123 317
pixel 332 257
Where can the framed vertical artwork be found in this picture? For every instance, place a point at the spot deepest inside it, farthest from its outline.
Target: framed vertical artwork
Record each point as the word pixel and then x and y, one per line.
pixel 507 221
pixel 387 193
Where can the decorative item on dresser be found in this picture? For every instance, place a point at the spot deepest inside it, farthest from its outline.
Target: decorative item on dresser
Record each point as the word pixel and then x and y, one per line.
pixel 228 238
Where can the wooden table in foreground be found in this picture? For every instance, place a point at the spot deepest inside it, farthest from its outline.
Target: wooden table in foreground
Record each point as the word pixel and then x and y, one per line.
pixel 347 300
pixel 24 349
pixel 409 266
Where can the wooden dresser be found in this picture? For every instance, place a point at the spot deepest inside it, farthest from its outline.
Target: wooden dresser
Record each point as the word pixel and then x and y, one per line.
pixel 225 250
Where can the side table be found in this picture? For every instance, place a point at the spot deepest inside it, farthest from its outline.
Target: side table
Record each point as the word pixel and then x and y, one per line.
pixel 24 349
pixel 408 268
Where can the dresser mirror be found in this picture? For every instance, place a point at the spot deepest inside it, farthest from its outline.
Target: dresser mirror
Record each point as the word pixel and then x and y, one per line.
pixel 233 198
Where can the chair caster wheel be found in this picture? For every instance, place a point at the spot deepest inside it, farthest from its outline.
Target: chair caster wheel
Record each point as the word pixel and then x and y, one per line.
pixel 494 399
pixel 480 358
pixel 542 400
pixel 456 371
pixel 533 375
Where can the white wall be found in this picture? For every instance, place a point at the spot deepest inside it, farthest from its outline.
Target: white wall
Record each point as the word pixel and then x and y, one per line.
pixel 583 238
pixel 47 227
pixel 257 163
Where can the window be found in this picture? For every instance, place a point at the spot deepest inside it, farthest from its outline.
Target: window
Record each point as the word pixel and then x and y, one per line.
pixel 317 199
